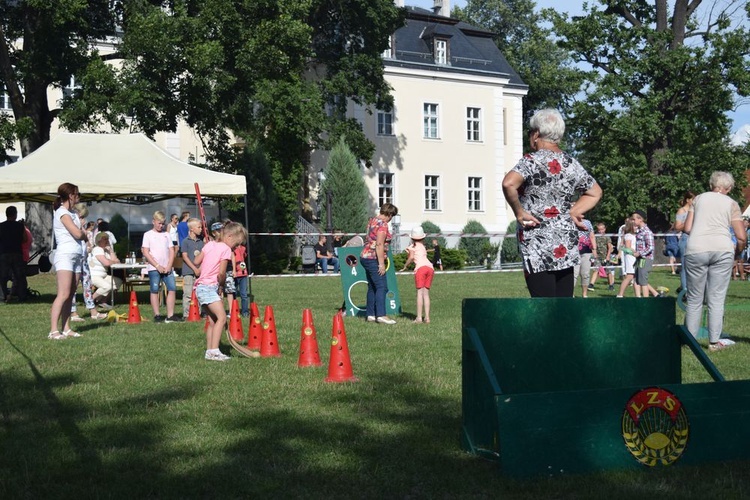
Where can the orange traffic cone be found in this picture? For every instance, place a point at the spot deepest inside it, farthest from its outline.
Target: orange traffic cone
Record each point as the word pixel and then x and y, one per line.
pixel 235 323
pixel 339 365
pixel 255 330
pixel 195 313
pixel 134 314
pixel 308 344
pixel 269 344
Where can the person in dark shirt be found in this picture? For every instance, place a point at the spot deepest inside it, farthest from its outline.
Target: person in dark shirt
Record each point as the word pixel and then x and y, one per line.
pixel 12 237
pixel 324 256
pixel 437 261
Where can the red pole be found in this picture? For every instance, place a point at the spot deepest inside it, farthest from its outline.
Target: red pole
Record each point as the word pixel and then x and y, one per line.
pixel 206 229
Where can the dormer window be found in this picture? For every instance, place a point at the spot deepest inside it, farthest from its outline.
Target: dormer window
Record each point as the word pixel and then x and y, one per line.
pixel 390 53
pixel 441 51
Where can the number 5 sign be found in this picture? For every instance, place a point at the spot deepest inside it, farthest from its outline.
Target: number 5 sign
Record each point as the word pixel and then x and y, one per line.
pixel 354 283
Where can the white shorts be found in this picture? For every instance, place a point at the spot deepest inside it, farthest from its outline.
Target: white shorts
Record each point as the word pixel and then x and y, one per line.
pixel 628 264
pixel 68 262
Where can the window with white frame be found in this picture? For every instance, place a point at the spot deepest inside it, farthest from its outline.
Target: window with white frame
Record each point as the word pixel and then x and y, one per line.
pixel 432 192
pixel 385 188
pixel 430 117
pixel 473 124
pixel 475 194
pixel 5 100
pixel 385 122
pixel 441 51
pixel 72 88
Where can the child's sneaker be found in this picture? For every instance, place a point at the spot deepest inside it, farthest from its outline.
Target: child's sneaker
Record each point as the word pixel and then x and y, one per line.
pixel 173 319
pixel 216 356
pixel 159 319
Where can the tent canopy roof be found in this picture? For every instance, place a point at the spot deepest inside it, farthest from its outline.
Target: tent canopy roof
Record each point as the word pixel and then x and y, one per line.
pixel 114 167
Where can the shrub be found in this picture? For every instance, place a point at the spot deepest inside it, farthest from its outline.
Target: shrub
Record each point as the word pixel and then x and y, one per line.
pixel 399 259
pixel 474 247
pixel 453 259
pixel 510 252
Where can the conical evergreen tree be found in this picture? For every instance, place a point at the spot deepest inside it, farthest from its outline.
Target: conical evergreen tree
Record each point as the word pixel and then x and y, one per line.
pixel 350 195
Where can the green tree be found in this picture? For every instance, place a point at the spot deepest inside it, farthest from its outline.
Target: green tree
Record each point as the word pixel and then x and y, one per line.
pixel 476 247
pixel 279 73
pixel 526 41
pixel 661 81
pixel 349 195
pixel 42 44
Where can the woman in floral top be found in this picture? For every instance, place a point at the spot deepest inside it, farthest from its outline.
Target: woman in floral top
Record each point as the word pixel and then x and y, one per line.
pixel 373 258
pixel 540 190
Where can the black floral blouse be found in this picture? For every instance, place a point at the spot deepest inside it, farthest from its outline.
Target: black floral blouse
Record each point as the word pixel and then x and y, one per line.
pixel 551 182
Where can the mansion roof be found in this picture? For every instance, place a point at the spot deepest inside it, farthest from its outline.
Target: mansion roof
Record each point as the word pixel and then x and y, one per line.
pixel 472 50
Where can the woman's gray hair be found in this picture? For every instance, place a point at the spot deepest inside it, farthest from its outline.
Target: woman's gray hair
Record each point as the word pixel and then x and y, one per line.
pixel 549 123
pixel 723 180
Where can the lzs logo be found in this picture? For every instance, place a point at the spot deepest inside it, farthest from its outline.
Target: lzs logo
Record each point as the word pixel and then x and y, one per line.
pixel 655 427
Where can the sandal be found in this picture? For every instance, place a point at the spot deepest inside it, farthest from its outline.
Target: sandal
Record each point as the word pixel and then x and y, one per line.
pixel 56 335
pixel 71 333
pixel 76 318
pixel 99 316
pixel 418 320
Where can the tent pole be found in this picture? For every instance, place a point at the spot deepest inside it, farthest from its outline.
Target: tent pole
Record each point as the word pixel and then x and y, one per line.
pixel 249 267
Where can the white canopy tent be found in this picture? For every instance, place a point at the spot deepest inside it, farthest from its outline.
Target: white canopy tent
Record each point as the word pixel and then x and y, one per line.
pixel 115 167
pixel 127 168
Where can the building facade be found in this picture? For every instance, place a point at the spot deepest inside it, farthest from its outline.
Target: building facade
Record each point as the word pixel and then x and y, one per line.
pixel 455 130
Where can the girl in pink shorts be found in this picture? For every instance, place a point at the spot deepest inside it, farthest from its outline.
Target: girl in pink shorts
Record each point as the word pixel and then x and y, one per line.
pixel 423 273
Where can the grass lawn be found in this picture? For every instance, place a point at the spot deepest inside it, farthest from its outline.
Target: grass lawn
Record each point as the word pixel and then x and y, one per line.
pixel 133 411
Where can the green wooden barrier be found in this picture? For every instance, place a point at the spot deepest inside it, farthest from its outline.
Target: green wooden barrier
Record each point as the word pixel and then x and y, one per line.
pixel 556 386
pixel 354 283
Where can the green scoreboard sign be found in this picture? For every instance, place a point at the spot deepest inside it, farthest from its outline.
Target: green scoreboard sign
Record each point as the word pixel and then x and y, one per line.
pixel 354 283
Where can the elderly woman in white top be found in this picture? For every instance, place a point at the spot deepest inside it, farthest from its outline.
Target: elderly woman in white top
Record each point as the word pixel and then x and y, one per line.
pixel 101 259
pixel 710 255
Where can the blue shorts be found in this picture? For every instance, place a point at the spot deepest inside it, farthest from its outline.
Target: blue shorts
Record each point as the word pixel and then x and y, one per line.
pixel 207 294
pixel 155 279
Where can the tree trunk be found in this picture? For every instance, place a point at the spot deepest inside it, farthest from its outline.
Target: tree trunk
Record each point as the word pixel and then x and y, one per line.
pixel 39 219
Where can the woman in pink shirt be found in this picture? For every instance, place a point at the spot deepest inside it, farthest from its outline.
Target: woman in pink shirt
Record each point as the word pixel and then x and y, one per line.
pixel 213 261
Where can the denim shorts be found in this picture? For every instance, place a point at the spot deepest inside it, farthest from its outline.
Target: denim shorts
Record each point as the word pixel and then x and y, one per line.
pixel 155 279
pixel 207 294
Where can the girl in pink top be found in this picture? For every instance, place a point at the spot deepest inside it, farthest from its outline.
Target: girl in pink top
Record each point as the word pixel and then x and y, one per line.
pixel 213 262
pixel 423 273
